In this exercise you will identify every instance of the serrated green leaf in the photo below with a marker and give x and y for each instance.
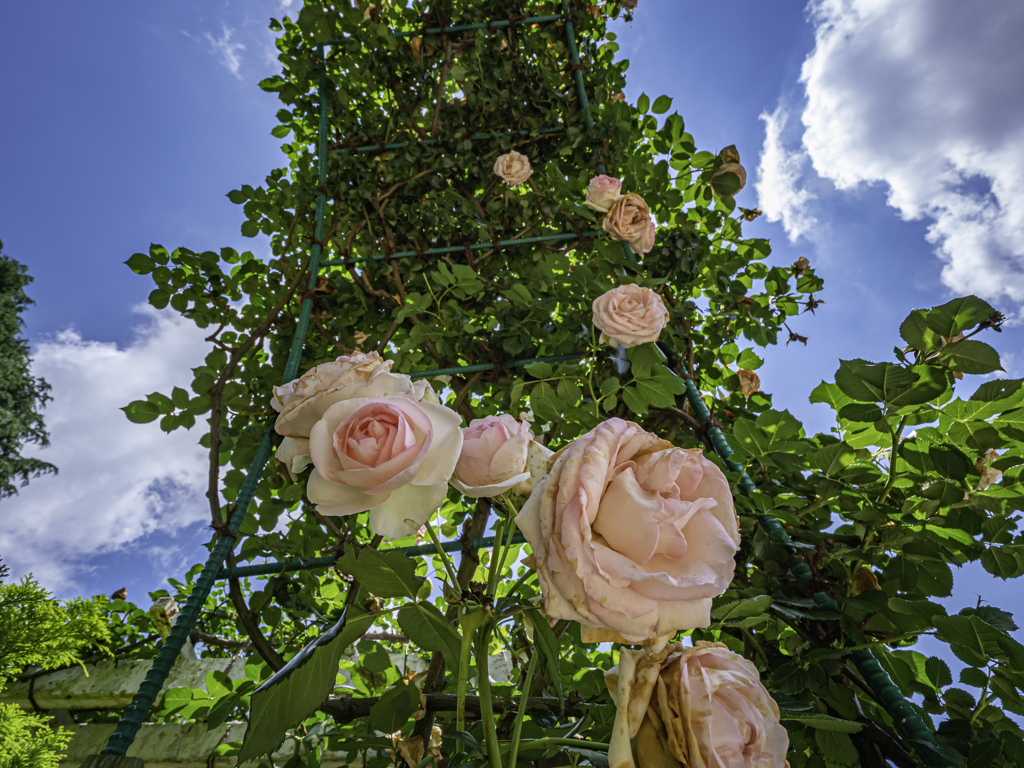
(300, 687)
(917, 334)
(831, 395)
(384, 574)
(739, 609)
(938, 672)
(836, 747)
(958, 315)
(824, 723)
(662, 104)
(833, 458)
(867, 413)
(973, 356)
(428, 628)
(141, 412)
(394, 708)
(140, 264)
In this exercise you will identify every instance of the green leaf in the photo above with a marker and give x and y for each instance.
(140, 264)
(395, 707)
(250, 228)
(949, 461)
(748, 360)
(932, 382)
(973, 356)
(141, 412)
(867, 413)
(1008, 391)
(388, 574)
(300, 687)
(958, 315)
(824, 723)
(831, 395)
(179, 397)
(280, 131)
(833, 458)
(643, 103)
(972, 640)
(938, 672)
(917, 334)
(426, 626)
(218, 684)
(643, 358)
(237, 196)
(548, 646)
(868, 382)
(836, 747)
(739, 609)
(633, 401)
(662, 104)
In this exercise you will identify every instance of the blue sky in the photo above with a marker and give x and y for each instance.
(878, 135)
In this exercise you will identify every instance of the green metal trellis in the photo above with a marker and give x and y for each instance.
(906, 718)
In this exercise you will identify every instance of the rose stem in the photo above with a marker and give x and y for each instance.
(449, 569)
(483, 684)
(521, 714)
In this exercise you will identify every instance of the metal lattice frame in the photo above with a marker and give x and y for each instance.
(906, 718)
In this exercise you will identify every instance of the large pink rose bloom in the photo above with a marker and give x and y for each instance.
(630, 534)
(629, 219)
(494, 456)
(700, 707)
(629, 315)
(392, 456)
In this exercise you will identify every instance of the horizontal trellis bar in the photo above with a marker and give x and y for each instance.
(488, 366)
(315, 563)
(428, 142)
(498, 24)
(590, 233)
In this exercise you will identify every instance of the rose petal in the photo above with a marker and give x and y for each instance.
(335, 500)
(446, 444)
(410, 502)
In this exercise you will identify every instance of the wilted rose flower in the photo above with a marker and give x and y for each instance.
(411, 749)
(628, 219)
(989, 475)
(646, 241)
(302, 402)
(513, 167)
(730, 154)
(750, 382)
(602, 192)
(735, 168)
(631, 534)
(494, 455)
(629, 315)
(700, 707)
(391, 455)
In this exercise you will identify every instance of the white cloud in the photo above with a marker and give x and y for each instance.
(923, 97)
(118, 481)
(778, 178)
(227, 50)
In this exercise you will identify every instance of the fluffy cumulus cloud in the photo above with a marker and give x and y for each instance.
(118, 481)
(779, 190)
(921, 97)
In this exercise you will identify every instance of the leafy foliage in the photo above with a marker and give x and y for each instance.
(22, 396)
(877, 510)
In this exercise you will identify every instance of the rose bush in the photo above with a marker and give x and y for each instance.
(513, 167)
(629, 315)
(390, 455)
(494, 456)
(631, 535)
(699, 707)
(629, 219)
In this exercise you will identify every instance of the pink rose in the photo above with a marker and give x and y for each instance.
(602, 192)
(392, 456)
(629, 315)
(494, 455)
(302, 402)
(702, 707)
(513, 168)
(631, 534)
(629, 219)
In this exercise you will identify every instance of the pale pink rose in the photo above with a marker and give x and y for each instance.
(602, 192)
(302, 402)
(392, 456)
(631, 534)
(294, 454)
(513, 168)
(629, 219)
(629, 315)
(494, 455)
(700, 707)
(646, 241)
